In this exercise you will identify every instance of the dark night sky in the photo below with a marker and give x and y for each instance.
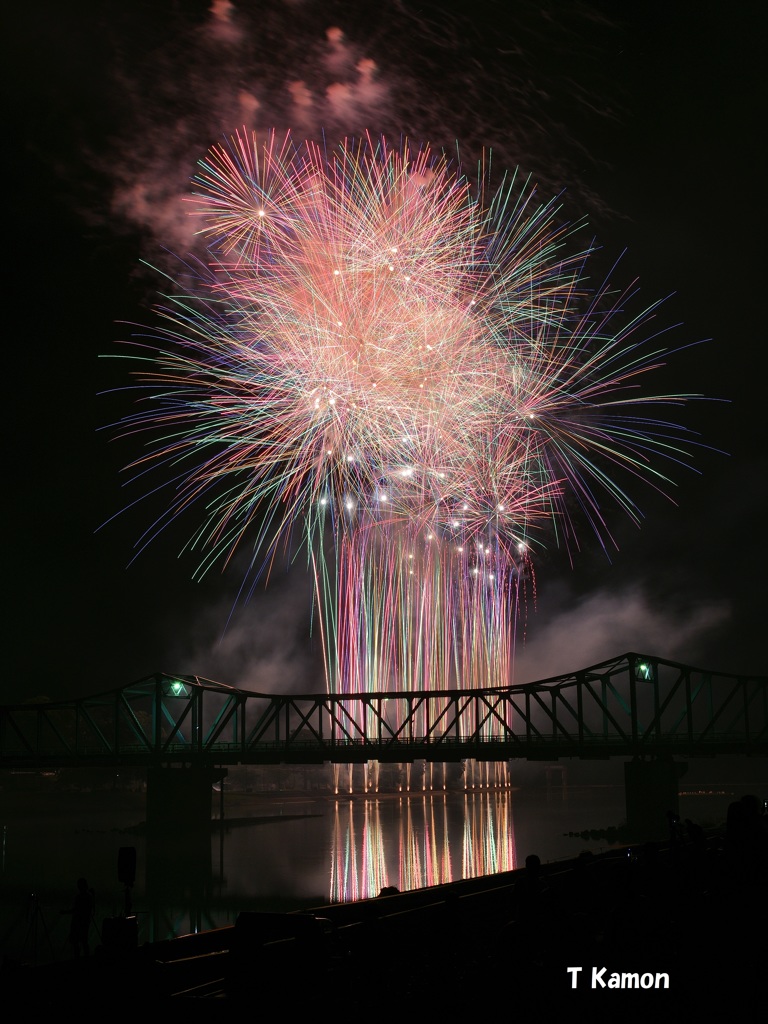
(653, 123)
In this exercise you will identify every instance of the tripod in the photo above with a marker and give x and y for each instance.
(35, 924)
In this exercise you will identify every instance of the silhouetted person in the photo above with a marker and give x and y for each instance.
(82, 912)
(695, 832)
(530, 890)
(527, 936)
(749, 830)
(739, 843)
(673, 823)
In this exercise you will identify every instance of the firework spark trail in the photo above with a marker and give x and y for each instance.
(414, 371)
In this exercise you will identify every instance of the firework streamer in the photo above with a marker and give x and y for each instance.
(408, 369)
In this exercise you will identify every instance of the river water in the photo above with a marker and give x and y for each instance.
(289, 850)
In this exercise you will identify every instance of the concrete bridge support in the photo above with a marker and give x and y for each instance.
(179, 799)
(651, 793)
(178, 869)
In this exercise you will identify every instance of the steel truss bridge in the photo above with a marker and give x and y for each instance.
(633, 705)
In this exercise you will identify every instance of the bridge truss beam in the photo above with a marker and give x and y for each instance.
(633, 705)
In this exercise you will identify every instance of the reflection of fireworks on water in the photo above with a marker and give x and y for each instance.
(413, 370)
(409, 843)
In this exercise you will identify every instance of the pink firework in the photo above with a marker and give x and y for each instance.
(411, 368)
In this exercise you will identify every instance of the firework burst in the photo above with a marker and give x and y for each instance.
(412, 368)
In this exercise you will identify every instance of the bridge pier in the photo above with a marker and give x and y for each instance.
(178, 870)
(179, 799)
(651, 793)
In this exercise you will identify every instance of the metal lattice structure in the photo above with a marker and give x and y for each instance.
(632, 705)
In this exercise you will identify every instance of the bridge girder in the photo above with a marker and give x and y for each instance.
(632, 705)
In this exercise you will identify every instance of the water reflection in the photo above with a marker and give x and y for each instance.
(417, 840)
(283, 851)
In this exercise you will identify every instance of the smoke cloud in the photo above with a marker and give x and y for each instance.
(263, 645)
(569, 632)
(328, 71)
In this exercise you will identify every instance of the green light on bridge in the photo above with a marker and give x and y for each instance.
(645, 672)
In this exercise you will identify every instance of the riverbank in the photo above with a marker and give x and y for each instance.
(664, 926)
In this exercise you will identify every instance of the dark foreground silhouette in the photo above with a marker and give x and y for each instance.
(661, 925)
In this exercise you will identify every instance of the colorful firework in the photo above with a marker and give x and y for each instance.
(411, 369)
